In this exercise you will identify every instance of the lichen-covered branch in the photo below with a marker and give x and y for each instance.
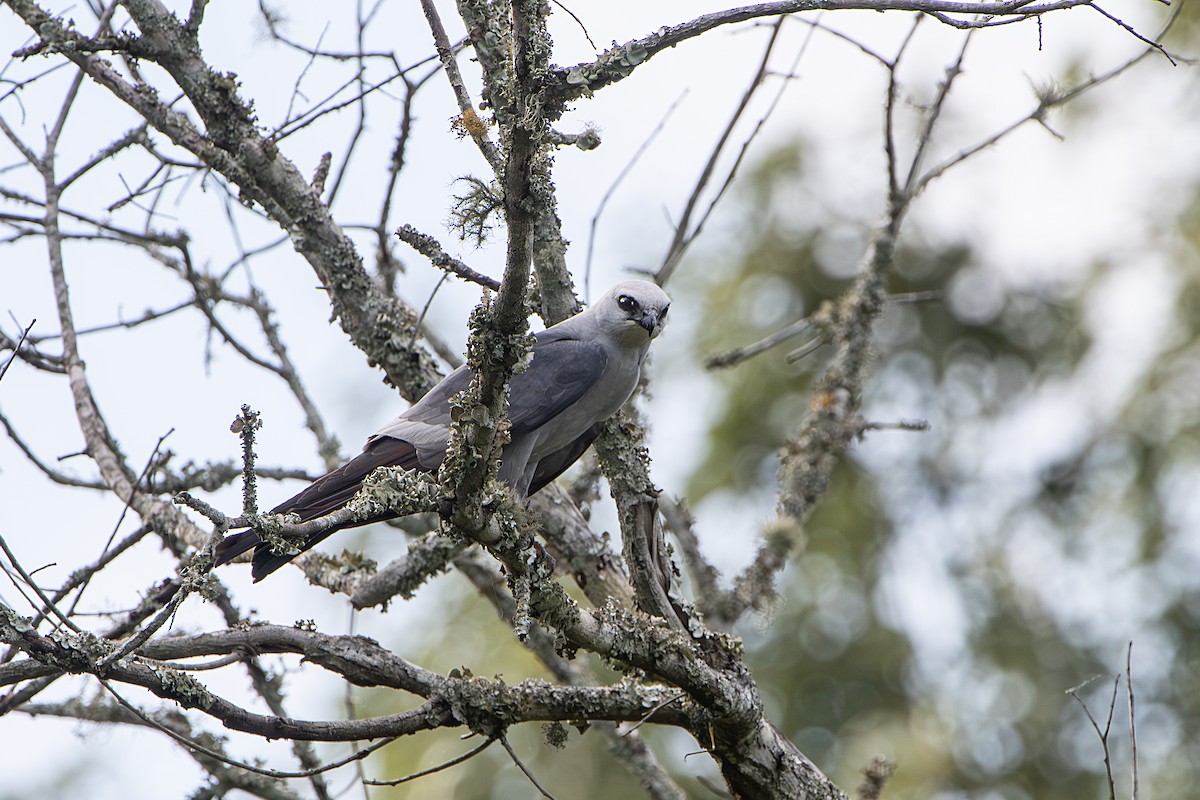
(625, 461)
(429, 247)
(483, 705)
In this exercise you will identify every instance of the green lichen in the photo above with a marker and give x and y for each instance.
(85, 644)
(270, 528)
(395, 490)
(197, 577)
(183, 688)
(476, 210)
(486, 707)
(554, 608)
(245, 425)
(624, 458)
(555, 735)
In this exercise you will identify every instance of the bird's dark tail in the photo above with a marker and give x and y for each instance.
(327, 493)
(233, 546)
(265, 560)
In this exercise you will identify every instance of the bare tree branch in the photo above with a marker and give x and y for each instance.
(618, 62)
(259, 171)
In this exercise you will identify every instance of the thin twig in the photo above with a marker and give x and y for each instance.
(443, 766)
(612, 188)
(271, 773)
(925, 137)
(1101, 734)
(578, 22)
(17, 349)
(151, 462)
(428, 303)
(1132, 718)
(732, 357)
(1039, 113)
(521, 766)
(889, 116)
(656, 707)
(47, 603)
(819, 25)
(472, 124)
(731, 174)
(684, 233)
(1149, 42)
(150, 315)
(134, 642)
(916, 425)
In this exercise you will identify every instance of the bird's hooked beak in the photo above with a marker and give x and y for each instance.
(649, 321)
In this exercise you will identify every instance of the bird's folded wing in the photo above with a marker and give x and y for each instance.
(562, 372)
(556, 463)
(335, 489)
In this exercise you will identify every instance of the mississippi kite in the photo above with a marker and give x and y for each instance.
(582, 371)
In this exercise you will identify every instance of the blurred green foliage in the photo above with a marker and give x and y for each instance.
(958, 582)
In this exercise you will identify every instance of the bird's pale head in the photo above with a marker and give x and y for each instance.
(636, 310)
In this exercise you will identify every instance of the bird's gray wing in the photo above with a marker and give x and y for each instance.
(431, 412)
(334, 490)
(556, 463)
(561, 373)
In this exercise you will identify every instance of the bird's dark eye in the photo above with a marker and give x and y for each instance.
(627, 303)
(663, 315)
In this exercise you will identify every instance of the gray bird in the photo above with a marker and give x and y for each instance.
(582, 371)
